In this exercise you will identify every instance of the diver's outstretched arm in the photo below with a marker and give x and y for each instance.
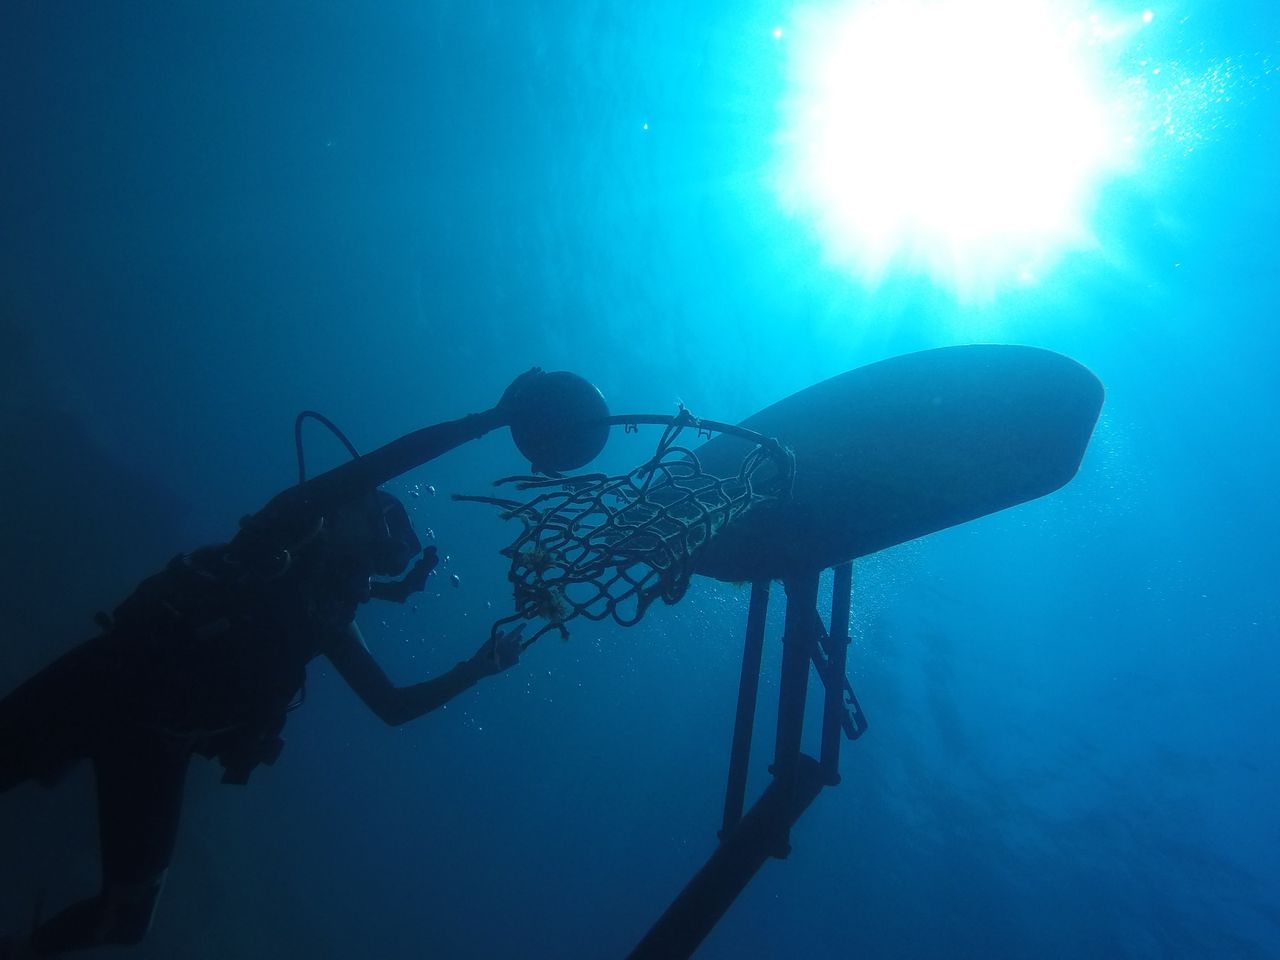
(396, 705)
(294, 512)
(341, 484)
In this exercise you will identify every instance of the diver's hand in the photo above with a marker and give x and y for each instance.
(399, 591)
(416, 579)
(498, 652)
(506, 407)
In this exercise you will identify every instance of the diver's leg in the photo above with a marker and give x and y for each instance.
(47, 723)
(139, 802)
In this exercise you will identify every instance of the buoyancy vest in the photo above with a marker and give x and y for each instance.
(218, 652)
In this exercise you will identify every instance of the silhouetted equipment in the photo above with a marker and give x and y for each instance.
(882, 455)
(866, 460)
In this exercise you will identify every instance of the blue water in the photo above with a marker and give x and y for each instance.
(218, 214)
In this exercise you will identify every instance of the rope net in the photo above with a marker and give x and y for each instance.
(606, 547)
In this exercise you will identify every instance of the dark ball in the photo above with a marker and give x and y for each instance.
(559, 422)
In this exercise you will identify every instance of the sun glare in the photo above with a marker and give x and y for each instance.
(962, 139)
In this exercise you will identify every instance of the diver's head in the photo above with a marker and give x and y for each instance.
(375, 531)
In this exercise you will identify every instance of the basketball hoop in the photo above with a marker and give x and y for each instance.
(606, 547)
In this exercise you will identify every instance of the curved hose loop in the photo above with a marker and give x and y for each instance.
(324, 421)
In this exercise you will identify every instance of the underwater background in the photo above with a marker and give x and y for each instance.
(213, 215)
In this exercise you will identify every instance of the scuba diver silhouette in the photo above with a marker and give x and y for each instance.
(208, 657)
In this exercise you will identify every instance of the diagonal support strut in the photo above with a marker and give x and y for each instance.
(747, 841)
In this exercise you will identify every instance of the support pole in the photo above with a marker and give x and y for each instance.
(833, 713)
(747, 841)
(711, 892)
(748, 688)
(797, 652)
